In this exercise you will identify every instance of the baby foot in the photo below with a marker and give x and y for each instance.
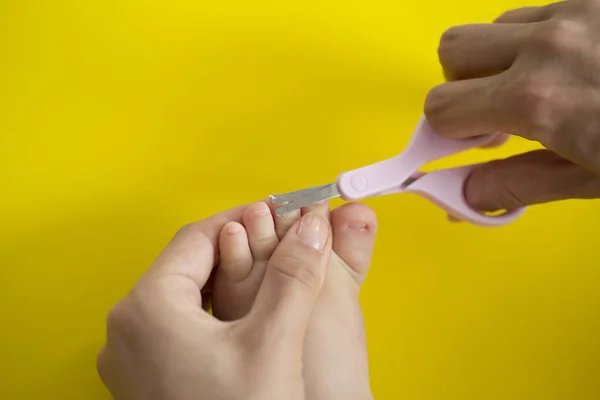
(335, 354)
(245, 251)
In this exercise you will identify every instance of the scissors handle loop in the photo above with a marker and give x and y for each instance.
(445, 188)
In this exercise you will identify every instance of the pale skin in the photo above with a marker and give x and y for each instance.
(335, 357)
(287, 323)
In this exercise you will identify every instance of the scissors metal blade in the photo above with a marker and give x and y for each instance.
(291, 196)
(303, 198)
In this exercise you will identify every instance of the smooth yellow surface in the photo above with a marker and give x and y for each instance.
(121, 120)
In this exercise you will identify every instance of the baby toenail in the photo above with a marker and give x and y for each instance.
(234, 230)
(261, 213)
(359, 226)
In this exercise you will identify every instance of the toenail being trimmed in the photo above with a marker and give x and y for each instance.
(262, 213)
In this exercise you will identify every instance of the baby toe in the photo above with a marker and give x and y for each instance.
(320, 208)
(260, 226)
(283, 224)
(235, 256)
(354, 226)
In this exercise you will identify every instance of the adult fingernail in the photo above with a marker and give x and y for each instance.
(313, 230)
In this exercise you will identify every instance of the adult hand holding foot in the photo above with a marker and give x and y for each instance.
(335, 353)
(532, 73)
(161, 344)
(269, 342)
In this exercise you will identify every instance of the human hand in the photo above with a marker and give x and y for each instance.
(335, 353)
(532, 73)
(161, 344)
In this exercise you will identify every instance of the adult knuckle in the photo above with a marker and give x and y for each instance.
(533, 103)
(102, 367)
(451, 35)
(294, 268)
(591, 5)
(114, 318)
(534, 98)
(119, 319)
(586, 145)
(557, 35)
(448, 44)
(506, 16)
(186, 229)
(101, 362)
(105, 360)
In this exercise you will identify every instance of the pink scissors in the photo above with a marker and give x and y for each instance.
(400, 174)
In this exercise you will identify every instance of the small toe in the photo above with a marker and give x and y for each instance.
(260, 226)
(235, 256)
(354, 226)
(320, 208)
(283, 224)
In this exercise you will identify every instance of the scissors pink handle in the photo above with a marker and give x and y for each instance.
(444, 188)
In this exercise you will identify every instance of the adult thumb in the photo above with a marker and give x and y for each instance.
(293, 279)
(540, 176)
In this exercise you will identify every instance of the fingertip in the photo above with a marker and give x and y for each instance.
(438, 104)
(434, 103)
(531, 14)
(483, 188)
(536, 177)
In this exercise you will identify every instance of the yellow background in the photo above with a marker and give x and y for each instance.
(121, 120)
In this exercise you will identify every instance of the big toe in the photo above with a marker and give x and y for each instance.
(354, 226)
(335, 343)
